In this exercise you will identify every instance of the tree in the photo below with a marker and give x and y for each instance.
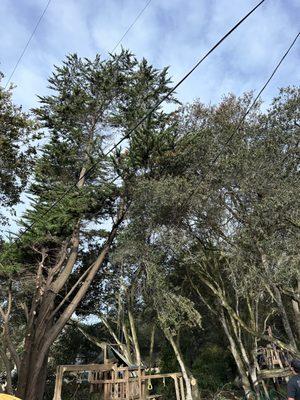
(223, 221)
(93, 102)
(16, 134)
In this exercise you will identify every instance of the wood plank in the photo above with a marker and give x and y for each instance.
(176, 388)
(87, 367)
(274, 373)
(58, 384)
(181, 388)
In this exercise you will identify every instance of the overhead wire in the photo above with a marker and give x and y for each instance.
(256, 98)
(112, 51)
(253, 103)
(28, 43)
(243, 118)
(40, 20)
(144, 118)
(131, 26)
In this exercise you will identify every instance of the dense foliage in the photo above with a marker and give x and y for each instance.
(180, 245)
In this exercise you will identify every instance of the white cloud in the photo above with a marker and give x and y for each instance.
(170, 32)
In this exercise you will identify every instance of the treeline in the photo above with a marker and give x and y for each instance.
(182, 241)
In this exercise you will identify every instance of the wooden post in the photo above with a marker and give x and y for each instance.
(143, 385)
(127, 384)
(181, 388)
(176, 387)
(140, 383)
(58, 383)
(105, 355)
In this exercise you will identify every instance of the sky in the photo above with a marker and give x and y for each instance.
(172, 33)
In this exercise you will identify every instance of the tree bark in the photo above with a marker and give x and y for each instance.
(296, 309)
(8, 368)
(238, 360)
(284, 316)
(152, 341)
(181, 363)
(135, 339)
(42, 331)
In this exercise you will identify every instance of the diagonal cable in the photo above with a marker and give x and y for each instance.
(165, 97)
(28, 43)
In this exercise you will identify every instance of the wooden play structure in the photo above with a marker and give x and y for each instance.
(273, 367)
(273, 363)
(112, 381)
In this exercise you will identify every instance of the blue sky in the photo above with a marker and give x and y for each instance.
(173, 33)
(170, 32)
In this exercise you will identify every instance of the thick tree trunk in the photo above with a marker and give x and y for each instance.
(42, 331)
(296, 310)
(33, 369)
(34, 378)
(8, 368)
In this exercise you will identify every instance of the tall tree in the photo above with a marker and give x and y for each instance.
(16, 134)
(93, 103)
(228, 216)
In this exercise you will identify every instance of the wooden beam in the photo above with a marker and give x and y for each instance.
(87, 367)
(181, 388)
(58, 383)
(176, 388)
(274, 373)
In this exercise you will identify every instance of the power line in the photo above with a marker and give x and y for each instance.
(127, 136)
(65, 299)
(39, 21)
(251, 106)
(28, 42)
(131, 26)
(242, 120)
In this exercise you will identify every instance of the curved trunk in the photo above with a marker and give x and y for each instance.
(33, 369)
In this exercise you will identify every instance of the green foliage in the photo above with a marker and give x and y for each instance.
(213, 367)
(200, 231)
(16, 147)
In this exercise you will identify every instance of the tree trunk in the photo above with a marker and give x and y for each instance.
(238, 360)
(8, 368)
(33, 369)
(31, 384)
(285, 320)
(296, 310)
(183, 368)
(152, 340)
(42, 331)
(135, 339)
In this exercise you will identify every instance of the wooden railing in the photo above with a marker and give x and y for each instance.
(119, 383)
